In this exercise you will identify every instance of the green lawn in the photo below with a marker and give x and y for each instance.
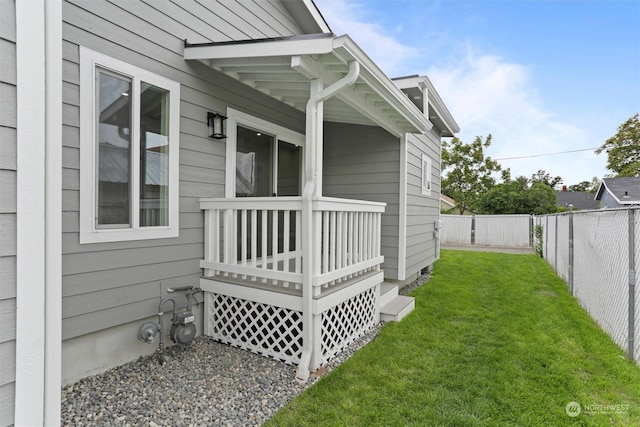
(495, 340)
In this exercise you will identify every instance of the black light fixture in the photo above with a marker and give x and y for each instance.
(215, 121)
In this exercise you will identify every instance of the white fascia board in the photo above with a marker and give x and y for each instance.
(347, 49)
(317, 16)
(601, 187)
(264, 48)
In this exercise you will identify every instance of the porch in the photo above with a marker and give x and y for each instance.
(254, 274)
(297, 278)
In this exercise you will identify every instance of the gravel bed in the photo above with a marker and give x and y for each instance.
(420, 280)
(203, 383)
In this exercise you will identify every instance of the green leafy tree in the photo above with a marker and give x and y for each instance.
(586, 186)
(509, 197)
(468, 172)
(623, 149)
(518, 197)
(542, 199)
(544, 177)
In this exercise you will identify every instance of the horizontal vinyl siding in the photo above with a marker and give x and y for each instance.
(8, 168)
(109, 284)
(422, 210)
(362, 163)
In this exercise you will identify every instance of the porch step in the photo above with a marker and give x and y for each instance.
(397, 308)
(388, 291)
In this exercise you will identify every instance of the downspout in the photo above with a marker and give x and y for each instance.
(314, 119)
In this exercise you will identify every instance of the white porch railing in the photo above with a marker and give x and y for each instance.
(260, 239)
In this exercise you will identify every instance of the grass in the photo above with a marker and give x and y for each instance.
(495, 340)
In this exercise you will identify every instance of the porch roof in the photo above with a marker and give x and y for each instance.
(284, 67)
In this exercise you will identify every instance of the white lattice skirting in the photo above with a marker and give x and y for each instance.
(277, 332)
(344, 323)
(261, 328)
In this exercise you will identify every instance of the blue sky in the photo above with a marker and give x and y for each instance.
(541, 76)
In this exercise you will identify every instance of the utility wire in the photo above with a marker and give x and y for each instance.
(547, 154)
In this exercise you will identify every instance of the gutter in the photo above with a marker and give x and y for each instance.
(313, 173)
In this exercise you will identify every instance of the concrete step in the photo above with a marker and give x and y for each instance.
(397, 308)
(388, 291)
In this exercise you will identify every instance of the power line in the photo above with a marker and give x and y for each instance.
(547, 154)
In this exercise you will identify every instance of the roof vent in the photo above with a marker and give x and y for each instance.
(626, 195)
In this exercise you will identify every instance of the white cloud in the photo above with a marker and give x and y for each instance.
(350, 18)
(486, 94)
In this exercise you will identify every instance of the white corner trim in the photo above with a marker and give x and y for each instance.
(30, 218)
(402, 211)
(53, 213)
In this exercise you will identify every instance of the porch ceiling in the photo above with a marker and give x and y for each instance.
(283, 69)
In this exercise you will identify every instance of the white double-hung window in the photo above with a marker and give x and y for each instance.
(129, 130)
(426, 175)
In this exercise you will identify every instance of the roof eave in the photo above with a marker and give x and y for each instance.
(314, 44)
(435, 100)
(342, 48)
(377, 79)
(307, 15)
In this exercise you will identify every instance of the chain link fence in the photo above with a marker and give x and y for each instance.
(598, 254)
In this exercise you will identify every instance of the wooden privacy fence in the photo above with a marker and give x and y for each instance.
(509, 231)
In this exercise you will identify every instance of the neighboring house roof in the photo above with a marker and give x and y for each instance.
(448, 201)
(580, 200)
(420, 89)
(284, 68)
(625, 190)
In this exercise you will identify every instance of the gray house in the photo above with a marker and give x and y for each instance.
(618, 192)
(317, 197)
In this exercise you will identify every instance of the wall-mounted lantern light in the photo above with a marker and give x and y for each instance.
(215, 121)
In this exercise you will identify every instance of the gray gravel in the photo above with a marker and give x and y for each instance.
(203, 383)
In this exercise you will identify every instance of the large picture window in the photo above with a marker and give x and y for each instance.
(128, 151)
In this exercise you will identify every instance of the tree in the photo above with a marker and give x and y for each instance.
(586, 186)
(544, 177)
(510, 197)
(468, 172)
(518, 197)
(542, 199)
(623, 149)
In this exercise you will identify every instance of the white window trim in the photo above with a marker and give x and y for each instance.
(426, 179)
(235, 118)
(89, 60)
